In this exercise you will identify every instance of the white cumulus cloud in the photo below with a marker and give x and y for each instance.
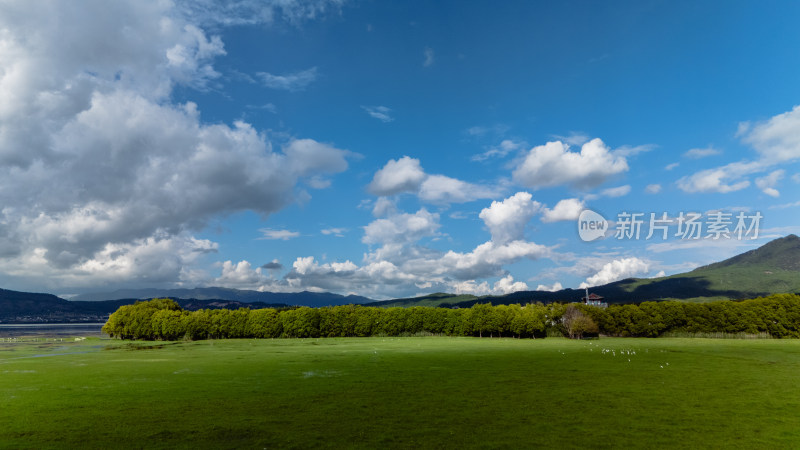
(503, 286)
(554, 164)
(401, 175)
(506, 220)
(240, 275)
(553, 288)
(566, 209)
(405, 175)
(400, 228)
(618, 269)
(102, 174)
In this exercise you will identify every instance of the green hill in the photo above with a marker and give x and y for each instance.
(439, 300)
(773, 268)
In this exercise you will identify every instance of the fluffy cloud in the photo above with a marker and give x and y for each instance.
(486, 260)
(555, 287)
(307, 273)
(307, 157)
(503, 286)
(400, 263)
(406, 175)
(554, 164)
(240, 275)
(618, 269)
(506, 220)
(383, 207)
(402, 175)
(98, 166)
(401, 228)
(158, 260)
(567, 209)
(507, 285)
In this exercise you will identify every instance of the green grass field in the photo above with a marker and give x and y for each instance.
(402, 393)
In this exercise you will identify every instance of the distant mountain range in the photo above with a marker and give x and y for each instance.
(24, 307)
(313, 299)
(771, 268)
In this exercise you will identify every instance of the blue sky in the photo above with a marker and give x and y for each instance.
(387, 149)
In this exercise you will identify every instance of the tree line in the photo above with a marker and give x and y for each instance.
(778, 315)
(164, 319)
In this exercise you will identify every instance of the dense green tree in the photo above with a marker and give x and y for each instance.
(169, 325)
(263, 323)
(778, 315)
(367, 320)
(456, 324)
(435, 320)
(415, 319)
(136, 321)
(392, 321)
(480, 318)
(198, 325)
(528, 321)
(302, 322)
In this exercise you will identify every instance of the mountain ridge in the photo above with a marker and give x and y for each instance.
(778, 252)
(772, 268)
(303, 298)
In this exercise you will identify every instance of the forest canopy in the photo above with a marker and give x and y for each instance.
(163, 319)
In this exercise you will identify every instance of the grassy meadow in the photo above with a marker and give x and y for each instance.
(414, 392)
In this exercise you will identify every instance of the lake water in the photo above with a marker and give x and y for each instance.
(51, 330)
